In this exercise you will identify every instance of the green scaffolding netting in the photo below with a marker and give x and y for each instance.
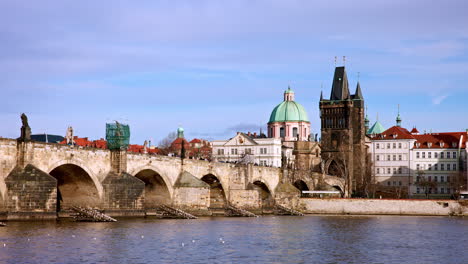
(117, 135)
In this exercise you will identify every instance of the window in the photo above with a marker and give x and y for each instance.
(441, 178)
(400, 170)
(435, 178)
(442, 190)
(448, 155)
(448, 190)
(454, 166)
(442, 167)
(263, 150)
(394, 145)
(435, 190)
(248, 151)
(424, 155)
(436, 167)
(454, 155)
(418, 178)
(418, 190)
(429, 178)
(394, 170)
(282, 132)
(377, 146)
(388, 145)
(399, 183)
(429, 167)
(388, 171)
(378, 170)
(417, 155)
(399, 157)
(436, 155)
(418, 166)
(234, 151)
(388, 157)
(295, 132)
(220, 151)
(399, 145)
(429, 155)
(389, 183)
(448, 167)
(394, 157)
(441, 155)
(377, 157)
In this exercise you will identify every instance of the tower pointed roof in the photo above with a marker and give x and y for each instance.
(358, 93)
(377, 128)
(321, 95)
(340, 86)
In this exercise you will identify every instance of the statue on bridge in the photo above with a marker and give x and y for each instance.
(69, 136)
(25, 129)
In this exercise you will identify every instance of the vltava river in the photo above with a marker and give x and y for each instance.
(270, 239)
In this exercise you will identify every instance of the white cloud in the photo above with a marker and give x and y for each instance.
(437, 100)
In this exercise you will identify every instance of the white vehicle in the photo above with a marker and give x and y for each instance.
(464, 195)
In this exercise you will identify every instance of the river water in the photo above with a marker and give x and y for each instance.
(268, 239)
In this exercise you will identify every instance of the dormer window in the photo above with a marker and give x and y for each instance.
(454, 144)
(418, 144)
(429, 144)
(442, 144)
(395, 135)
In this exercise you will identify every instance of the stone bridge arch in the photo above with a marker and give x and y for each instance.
(75, 187)
(164, 176)
(218, 192)
(81, 164)
(265, 194)
(157, 189)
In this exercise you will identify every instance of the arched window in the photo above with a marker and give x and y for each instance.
(282, 132)
(294, 131)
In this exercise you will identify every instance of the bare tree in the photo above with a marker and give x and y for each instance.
(424, 183)
(165, 143)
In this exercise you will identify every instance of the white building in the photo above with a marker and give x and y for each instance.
(249, 149)
(403, 159)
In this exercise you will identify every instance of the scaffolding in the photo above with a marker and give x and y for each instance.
(117, 135)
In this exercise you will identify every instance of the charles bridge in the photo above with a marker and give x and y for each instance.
(43, 180)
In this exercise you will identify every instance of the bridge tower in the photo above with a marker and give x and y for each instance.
(343, 132)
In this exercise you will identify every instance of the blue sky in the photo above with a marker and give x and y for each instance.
(217, 67)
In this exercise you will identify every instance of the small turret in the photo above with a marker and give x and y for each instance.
(398, 119)
(180, 132)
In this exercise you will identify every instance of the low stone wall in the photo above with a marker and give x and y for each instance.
(382, 207)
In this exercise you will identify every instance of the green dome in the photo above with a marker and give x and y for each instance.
(377, 128)
(288, 111)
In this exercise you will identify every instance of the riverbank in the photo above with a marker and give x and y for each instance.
(383, 207)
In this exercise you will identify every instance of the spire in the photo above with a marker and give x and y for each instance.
(289, 94)
(321, 95)
(398, 119)
(340, 90)
(358, 93)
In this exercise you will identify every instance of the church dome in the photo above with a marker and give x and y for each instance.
(289, 110)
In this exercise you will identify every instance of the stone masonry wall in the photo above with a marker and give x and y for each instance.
(31, 190)
(381, 207)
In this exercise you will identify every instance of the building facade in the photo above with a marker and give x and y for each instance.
(243, 148)
(344, 132)
(419, 165)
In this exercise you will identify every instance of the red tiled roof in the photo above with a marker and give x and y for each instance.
(414, 130)
(195, 140)
(434, 140)
(395, 132)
